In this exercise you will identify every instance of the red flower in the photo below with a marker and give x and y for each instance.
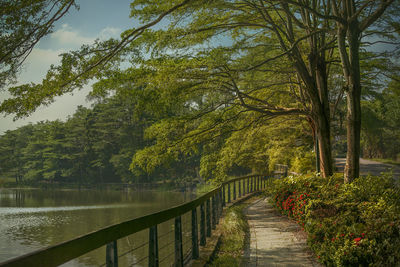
(356, 240)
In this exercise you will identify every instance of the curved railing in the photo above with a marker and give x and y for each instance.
(211, 206)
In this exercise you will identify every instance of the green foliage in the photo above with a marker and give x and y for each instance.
(303, 162)
(23, 24)
(347, 224)
(93, 146)
(381, 124)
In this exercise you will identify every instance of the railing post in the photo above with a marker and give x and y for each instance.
(222, 203)
(229, 192)
(213, 213)
(234, 190)
(153, 247)
(248, 185)
(217, 207)
(258, 183)
(202, 226)
(208, 213)
(178, 243)
(195, 237)
(240, 191)
(223, 196)
(112, 254)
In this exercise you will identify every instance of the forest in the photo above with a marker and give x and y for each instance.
(221, 88)
(97, 145)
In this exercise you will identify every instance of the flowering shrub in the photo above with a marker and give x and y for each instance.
(347, 224)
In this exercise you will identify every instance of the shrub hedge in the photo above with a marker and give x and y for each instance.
(355, 224)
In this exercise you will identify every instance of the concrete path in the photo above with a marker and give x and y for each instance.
(370, 167)
(274, 239)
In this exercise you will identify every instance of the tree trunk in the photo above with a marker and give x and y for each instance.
(324, 117)
(352, 168)
(324, 142)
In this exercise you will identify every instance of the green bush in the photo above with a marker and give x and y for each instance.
(303, 162)
(356, 224)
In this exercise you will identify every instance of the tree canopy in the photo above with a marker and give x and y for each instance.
(23, 24)
(221, 67)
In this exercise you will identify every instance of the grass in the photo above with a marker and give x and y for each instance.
(234, 231)
(387, 161)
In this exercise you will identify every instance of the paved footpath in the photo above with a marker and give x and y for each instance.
(370, 167)
(274, 239)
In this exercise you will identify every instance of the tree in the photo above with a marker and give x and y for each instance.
(12, 144)
(275, 59)
(23, 24)
(353, 18)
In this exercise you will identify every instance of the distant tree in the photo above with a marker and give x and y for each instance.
(12, 144)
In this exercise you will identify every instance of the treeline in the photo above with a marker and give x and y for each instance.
(380, 125)
(95, 145)
(119, 139)
(380, 136)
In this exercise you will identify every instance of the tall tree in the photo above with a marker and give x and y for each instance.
(353, 18)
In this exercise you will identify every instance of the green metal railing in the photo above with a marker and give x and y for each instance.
(209, 206)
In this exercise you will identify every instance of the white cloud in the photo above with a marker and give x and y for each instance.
(67, 36)
(109, 32)
(38, 63)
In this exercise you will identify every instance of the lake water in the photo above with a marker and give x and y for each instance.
(32, 218)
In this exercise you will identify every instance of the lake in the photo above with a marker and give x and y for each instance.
(31, 219)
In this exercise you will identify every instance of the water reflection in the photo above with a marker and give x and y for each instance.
(33, 219)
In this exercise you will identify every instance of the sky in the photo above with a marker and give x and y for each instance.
(95, 19)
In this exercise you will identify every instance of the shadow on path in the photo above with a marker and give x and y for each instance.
(274, 239)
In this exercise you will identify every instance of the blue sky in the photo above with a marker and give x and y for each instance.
(95, 19)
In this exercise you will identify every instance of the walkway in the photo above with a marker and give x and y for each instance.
(370, 167)
(274, 239)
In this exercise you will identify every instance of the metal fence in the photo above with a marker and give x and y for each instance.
(191, 223)
(280, 170)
